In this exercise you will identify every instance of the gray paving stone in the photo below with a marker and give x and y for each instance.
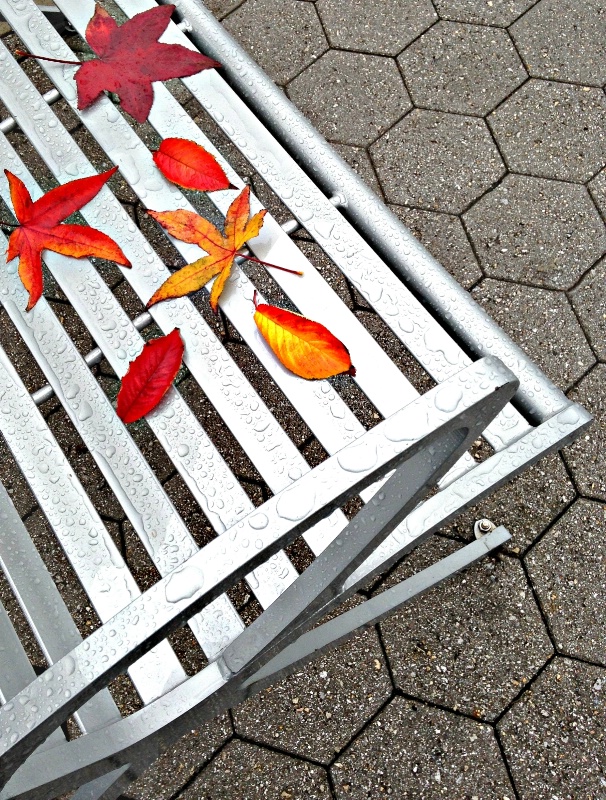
(597, 189)
(248, 772)
(467, 69)
(222, 7)
(351, 97)
(472, 642)
(178, 764)
(436, 161)
(526, 506)
(567, 571)
(586, 458)
(487, 12)
(316, 712)
(543, 324)
(359, 160)
(546, 233)
(553, 130)
(564, 39)
(355, 24)
(283, 39)
(589, 301)
(412, 751)
(553, 736)
(444, 237)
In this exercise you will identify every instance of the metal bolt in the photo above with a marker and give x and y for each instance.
(482, 527)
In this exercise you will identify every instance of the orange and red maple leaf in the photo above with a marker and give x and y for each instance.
(40, 228)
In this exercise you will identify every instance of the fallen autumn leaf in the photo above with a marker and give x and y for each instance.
(304, 347)
(150, 376)
(40, 229)
(191, 166)
(222, 248)
(130, 58)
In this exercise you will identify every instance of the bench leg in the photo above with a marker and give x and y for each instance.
(330, 634)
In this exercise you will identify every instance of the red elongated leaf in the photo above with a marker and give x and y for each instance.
(304, 347)
(39, 228)
(150, 376)
(189, 165)
(130, 58)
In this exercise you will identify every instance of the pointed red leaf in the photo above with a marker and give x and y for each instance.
(130, 58)
(189, 165)
(40, 228)
(150, 376)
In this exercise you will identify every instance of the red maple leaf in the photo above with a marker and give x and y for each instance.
(40, 229)
(150, 376)
(130, 58)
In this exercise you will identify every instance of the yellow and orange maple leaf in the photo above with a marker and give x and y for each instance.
(221, 248)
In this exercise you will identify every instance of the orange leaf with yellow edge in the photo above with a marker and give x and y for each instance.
(222, 248)
(304, 347)
(40, 228)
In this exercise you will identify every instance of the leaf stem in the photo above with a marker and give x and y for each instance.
(273, 266)
(25, 54)
(8, 224)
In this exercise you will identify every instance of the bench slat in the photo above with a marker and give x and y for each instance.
(17, 672)
(63, 500)
(47, 614)
(128, 474)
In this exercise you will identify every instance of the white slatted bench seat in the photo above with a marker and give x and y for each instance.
(425, 438)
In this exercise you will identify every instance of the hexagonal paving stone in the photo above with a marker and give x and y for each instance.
(245, 771)
(222, 7)
(554, 735)
(553, 130)
(597, 189)
(177, 765)
(495, 12)
(319, 709)
(351, 97)
(567, 570)
(444, 237)
(526, 506)
(386, 30)
(412, 751)
(283, 39)
(589, 301)
(437, 161)
(546, 233)
(462, 68)
(586, 458)
(470, 643)
(565, 40)
(543, 324)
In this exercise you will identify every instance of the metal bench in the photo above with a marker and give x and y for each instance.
(484, 387)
